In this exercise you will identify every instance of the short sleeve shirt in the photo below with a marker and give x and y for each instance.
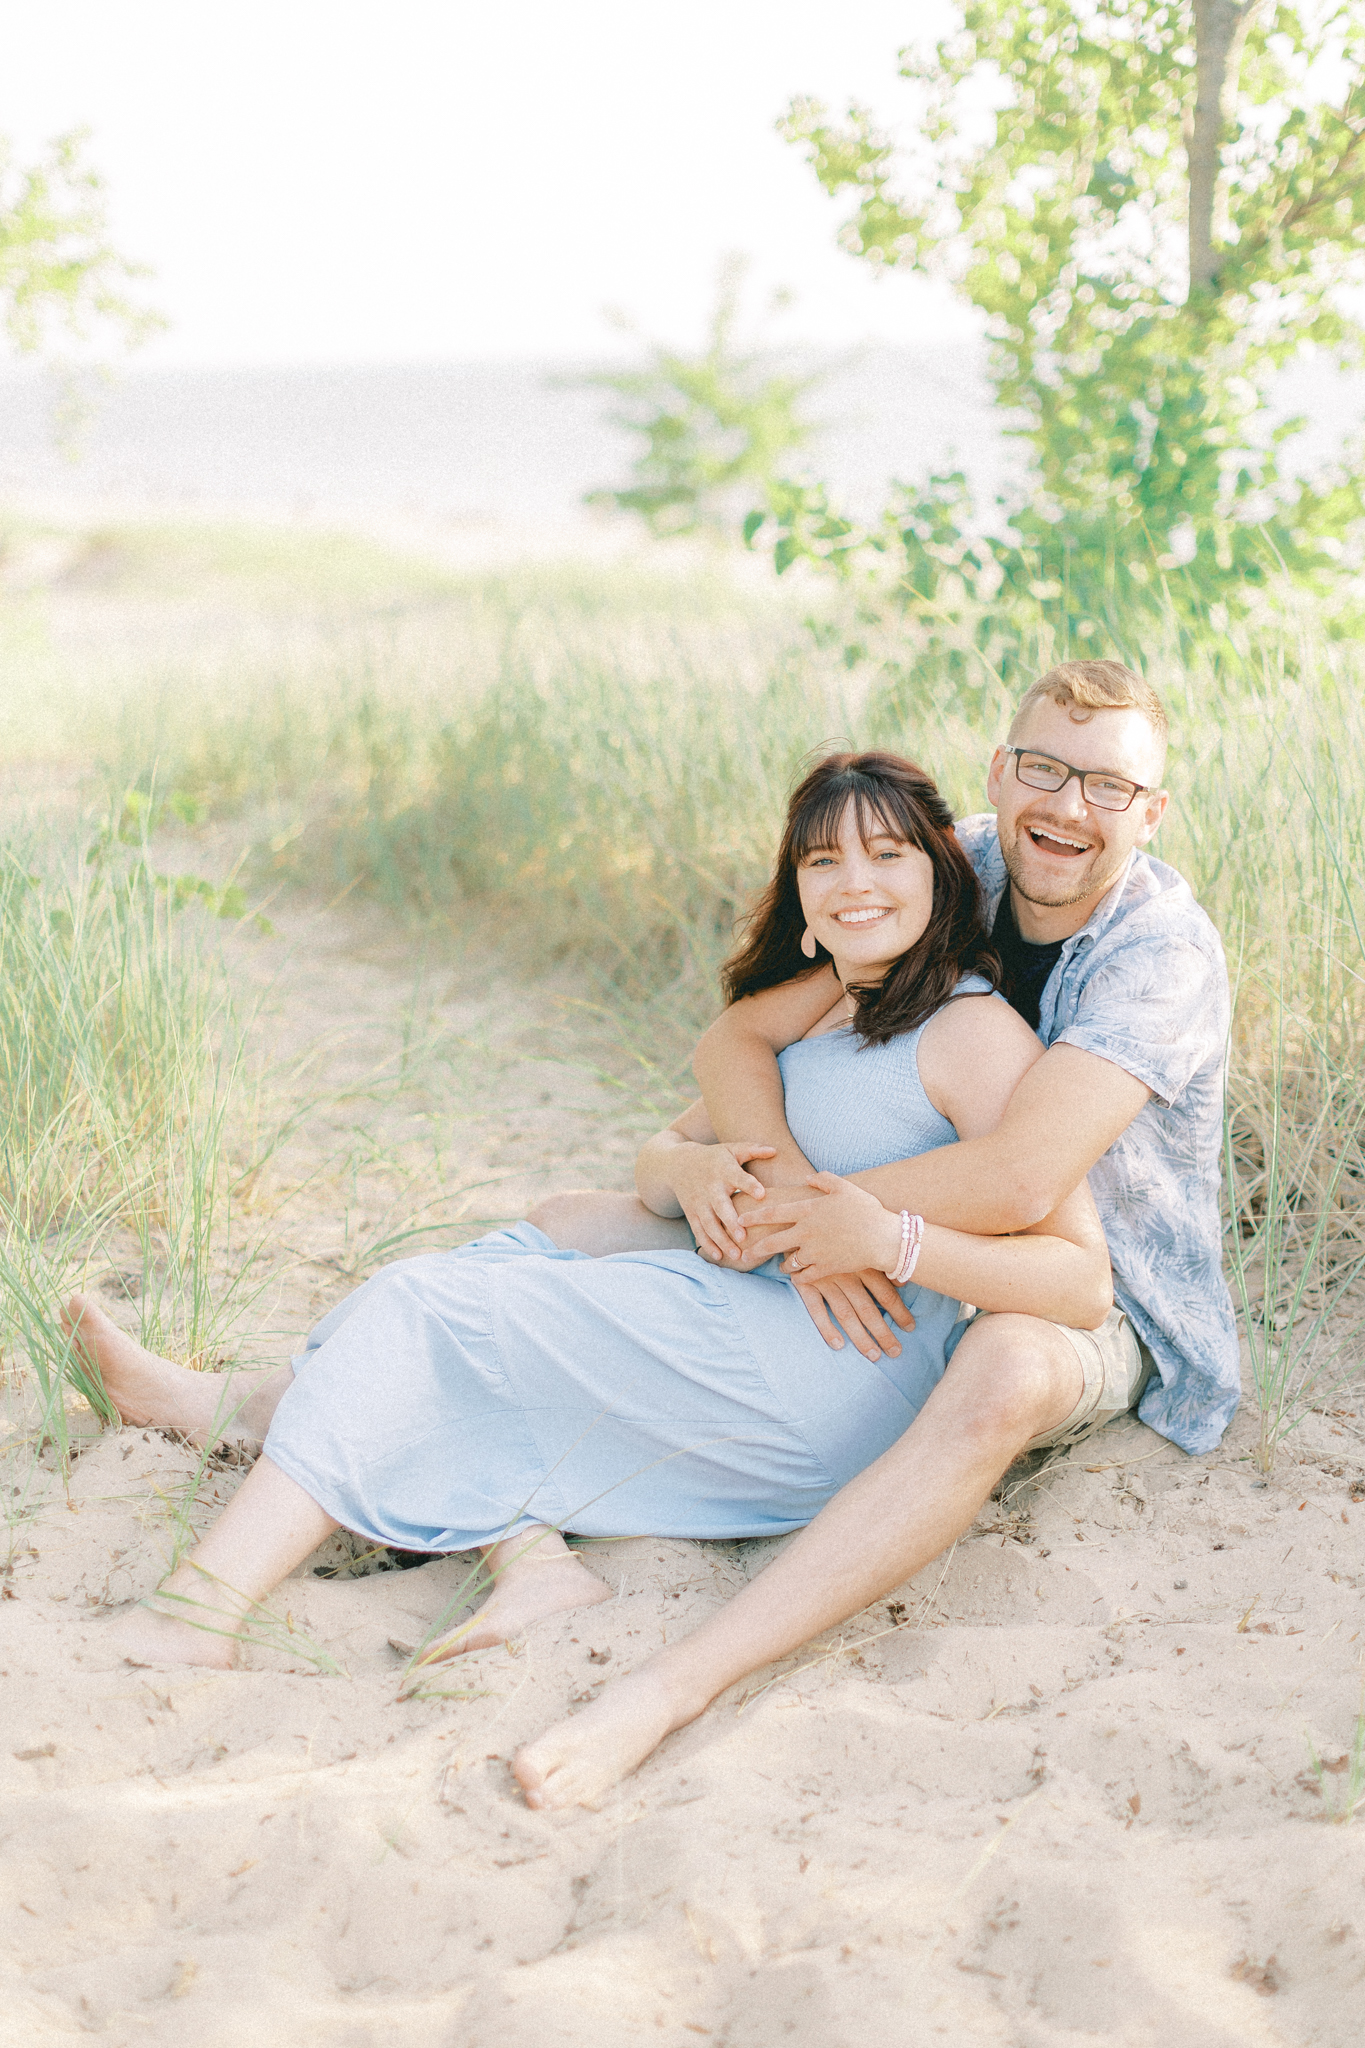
(1144, 985)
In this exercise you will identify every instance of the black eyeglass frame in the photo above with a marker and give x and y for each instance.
(1081, 775)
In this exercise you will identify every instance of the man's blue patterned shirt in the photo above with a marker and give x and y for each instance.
(1144, 985)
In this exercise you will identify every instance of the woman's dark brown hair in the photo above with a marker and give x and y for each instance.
(891, 795)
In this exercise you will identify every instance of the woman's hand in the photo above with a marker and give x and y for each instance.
(703, 1178)
(841, 1229)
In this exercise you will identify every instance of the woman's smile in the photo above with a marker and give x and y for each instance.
(847, 917)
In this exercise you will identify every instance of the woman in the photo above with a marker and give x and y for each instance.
(495, 1396)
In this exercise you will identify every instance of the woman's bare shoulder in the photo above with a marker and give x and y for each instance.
(977, 1049)
(980, 1017)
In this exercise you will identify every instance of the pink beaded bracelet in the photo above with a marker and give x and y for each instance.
(912, 1237)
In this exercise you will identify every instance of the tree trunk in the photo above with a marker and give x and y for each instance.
(1220, 28)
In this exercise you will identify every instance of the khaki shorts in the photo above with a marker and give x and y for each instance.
(1117, 1366)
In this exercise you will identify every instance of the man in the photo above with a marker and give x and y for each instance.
(1107, 953)
(1110, 959)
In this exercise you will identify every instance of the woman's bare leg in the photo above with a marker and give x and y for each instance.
(155, 1393)
(590, 1220)
(196, 1615)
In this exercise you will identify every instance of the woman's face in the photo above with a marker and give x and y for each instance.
(867, 904)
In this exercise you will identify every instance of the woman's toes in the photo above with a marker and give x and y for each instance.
(111, 1354)
(79, 1309)
(80, 1319)
(86, 1321)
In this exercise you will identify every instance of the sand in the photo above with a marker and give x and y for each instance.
(1059, 1789)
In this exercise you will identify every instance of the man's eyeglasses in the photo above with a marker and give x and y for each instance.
(1105, 791)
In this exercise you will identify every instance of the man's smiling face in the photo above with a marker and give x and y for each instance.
(1061, 852)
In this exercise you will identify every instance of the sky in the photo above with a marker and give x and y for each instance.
(321, 181)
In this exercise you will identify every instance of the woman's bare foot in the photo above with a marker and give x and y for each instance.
(145, 1637)
(148, 1392)
(534, 1574)
(578, 1760)
(192, 1618)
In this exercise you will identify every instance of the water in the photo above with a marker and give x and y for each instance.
(502, 443)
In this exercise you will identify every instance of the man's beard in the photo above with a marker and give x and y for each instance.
(1094, 879)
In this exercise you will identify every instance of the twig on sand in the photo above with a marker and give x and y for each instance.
(1117, 1464)
(986, 1854)
(1242, 1624)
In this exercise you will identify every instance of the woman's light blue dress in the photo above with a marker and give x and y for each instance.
(458, 1396)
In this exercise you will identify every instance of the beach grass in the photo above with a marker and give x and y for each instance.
(1341, 1803)
(593, 761)
(121, 1052)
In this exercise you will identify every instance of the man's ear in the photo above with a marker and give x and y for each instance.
(1155, 811)
(995, 775)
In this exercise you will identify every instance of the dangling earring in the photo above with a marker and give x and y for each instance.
(808, 943)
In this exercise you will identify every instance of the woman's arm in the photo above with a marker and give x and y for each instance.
(1058, 1269)
(736, 1065)
(685, 1172)
(657, 1157)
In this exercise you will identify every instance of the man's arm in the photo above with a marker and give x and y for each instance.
(1064, 1115)
(972, 1058)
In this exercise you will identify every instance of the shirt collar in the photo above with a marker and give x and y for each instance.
(1106, 909)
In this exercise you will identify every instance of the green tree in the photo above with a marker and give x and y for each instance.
(58, 269)
(1155, 204)
(716, 426)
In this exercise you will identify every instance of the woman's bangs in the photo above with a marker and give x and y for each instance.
(875, 807)
(884, 809)
(816, 828)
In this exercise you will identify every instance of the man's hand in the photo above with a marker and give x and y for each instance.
(703, 1179)
(856, 1299)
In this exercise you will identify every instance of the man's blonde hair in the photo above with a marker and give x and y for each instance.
(1095, 686)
